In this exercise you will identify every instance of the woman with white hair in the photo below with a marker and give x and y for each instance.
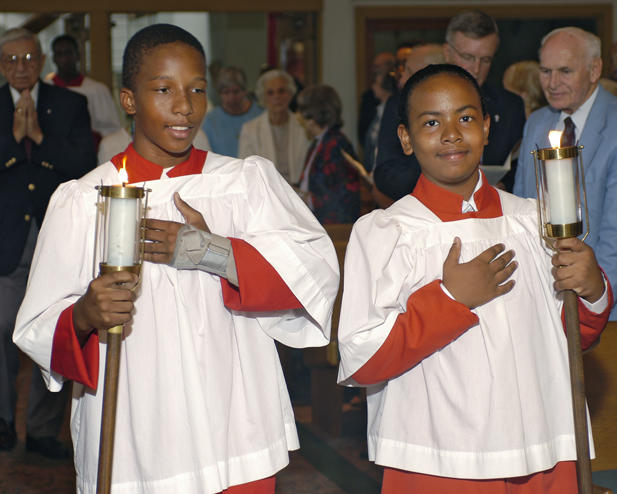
(276, 134)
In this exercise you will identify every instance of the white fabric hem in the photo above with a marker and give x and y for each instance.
(470, 465)
(210, 480)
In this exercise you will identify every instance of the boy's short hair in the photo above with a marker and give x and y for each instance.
(65, 37)
(145, 40)
(426, 73)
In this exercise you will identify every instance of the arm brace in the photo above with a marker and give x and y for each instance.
(196, 249)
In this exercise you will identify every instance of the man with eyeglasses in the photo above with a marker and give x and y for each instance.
(472, 39)
(45, 139)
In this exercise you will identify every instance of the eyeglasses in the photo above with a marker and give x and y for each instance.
(11, 61)
(468, 57)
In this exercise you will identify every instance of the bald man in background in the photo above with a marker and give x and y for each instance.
(570, 69)
(389, 150)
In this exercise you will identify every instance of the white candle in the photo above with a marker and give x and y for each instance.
(561, 191)
(122, 233)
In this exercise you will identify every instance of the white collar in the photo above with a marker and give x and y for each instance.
(34, 94)
(579, 117)
(470, 206)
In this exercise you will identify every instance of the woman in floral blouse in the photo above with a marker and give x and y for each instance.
(333, 183)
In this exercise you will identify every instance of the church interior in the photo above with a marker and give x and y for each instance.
(318, 41)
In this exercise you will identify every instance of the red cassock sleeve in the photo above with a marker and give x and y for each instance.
(261, 287)
(592, 324)
(68, 358)
(432, 320)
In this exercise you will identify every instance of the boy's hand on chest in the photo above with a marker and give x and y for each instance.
(480, 280)
(161, 235)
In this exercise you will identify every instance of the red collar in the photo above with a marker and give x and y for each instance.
(447, 206)
(58, 81)
(141, 170)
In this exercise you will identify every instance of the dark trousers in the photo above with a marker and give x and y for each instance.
(45, 409)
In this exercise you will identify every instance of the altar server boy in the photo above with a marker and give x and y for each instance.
(234, 261)
(452, 319)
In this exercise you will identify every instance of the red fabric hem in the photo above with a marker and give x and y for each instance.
(561, 479)
(592, 324)
(78, 81)
(140, 169)
(448, 206)
(263, 486)
(68, 358)
(261, 287)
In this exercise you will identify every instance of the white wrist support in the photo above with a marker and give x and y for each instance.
(196, 249)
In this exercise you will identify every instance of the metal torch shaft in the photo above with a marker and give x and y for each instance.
(577, 380)
(108, 422)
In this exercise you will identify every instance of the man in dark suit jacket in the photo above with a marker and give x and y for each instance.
(383, 63)
(45, 139)
(472, 38)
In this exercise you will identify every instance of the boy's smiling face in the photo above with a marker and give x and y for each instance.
(168, 103)
(447, 132)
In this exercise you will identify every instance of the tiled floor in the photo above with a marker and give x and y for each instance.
(22, 472)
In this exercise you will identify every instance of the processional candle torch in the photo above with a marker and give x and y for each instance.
(560, 177)
(119, 243)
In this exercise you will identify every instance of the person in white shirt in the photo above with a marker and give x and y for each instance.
(103, 111)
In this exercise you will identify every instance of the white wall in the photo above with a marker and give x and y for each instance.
(339, 58)
(240, 39)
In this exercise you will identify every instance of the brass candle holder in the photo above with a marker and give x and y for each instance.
(560, 176)
(120, 242)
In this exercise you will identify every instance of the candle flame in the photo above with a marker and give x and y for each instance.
(124, 176)
(555, 137)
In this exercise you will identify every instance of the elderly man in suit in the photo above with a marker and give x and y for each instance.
(570, 68)
(45, 139)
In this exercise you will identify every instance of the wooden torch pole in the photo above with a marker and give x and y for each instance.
(108, 421)
(577, 381)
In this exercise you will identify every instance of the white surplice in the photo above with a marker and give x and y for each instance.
(495, 402)
(202, 401)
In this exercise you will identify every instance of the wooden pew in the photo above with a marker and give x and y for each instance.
(326, 395)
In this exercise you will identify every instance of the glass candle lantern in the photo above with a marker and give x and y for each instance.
(560, 177)
(119, 240)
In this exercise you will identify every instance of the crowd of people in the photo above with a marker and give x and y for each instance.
(447, 287)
